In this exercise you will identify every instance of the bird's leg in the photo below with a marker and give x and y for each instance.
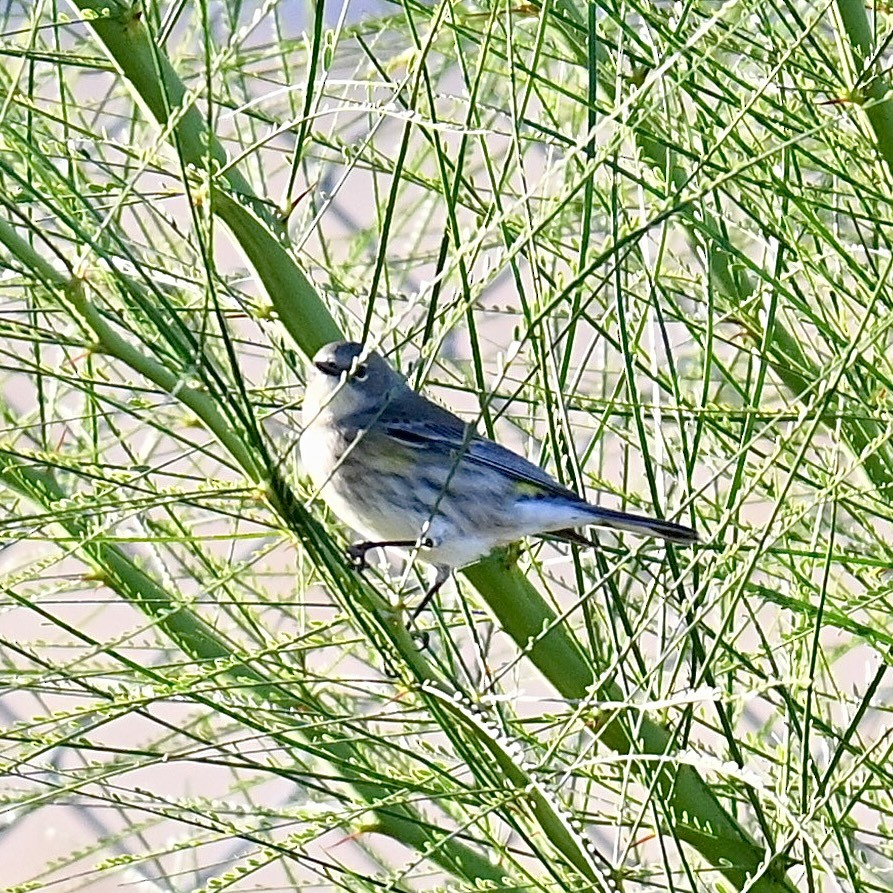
(357, 552)
(443, 574)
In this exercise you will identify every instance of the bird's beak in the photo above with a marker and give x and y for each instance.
(327, 367)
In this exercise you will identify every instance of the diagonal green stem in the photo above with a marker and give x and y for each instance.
(257, 231)
(872, 86)
(527, 618)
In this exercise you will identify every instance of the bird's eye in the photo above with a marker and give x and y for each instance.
(361, 372)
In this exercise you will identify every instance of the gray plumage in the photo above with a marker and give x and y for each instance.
(401, 469)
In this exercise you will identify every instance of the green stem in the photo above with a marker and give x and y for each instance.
(258, 232)
(110, 342)
(700, 818)
(297, 304)
(872, 86)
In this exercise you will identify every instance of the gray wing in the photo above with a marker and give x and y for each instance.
(438, 428)
(414, 421)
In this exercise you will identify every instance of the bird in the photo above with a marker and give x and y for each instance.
(403, 471)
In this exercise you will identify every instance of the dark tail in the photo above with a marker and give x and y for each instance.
(673, 533)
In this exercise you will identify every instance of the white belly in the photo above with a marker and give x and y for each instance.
(351, 495)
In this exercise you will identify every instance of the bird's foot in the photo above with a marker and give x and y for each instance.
(443, 574)
(420, 637)
(356, 554)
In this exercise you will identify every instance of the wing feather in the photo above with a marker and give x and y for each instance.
(411, 421)
(455, 436)
(443, 431)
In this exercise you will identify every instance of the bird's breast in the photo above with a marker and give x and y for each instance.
(323, 448)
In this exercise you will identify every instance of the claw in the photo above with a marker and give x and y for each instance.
(421, 638)
(356, 554)
(443, 574)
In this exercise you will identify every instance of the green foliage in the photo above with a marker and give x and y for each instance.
(647, 244)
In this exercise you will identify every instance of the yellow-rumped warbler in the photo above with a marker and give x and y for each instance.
(403, 471)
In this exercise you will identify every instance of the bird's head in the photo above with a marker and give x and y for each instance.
(348, 380)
